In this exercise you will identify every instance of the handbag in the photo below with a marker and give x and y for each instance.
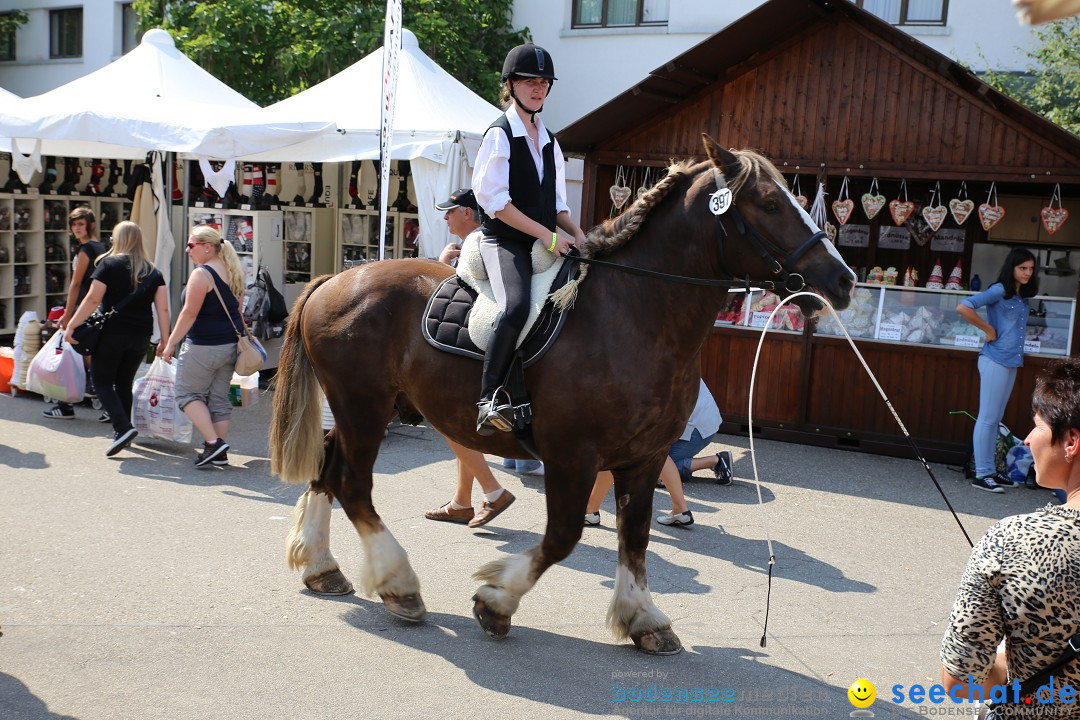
(87, 334)
(250, 355)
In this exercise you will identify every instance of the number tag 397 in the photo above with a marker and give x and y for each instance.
(720, 201)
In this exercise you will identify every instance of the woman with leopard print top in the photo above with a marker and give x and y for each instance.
(1022, 582)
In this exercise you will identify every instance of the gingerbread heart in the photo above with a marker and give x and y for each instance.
(934, 216)
(842, 209)
(803, 202)
(1054, 218)
(619, 195)
(872, 204)
(961, 209)
(901, 211)
(830, 230)
(990, 215)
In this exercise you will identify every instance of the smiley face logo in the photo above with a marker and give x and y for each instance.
(862, 693)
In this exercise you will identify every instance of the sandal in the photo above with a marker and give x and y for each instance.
(445, 513)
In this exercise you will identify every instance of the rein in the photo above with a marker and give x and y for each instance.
(791, 282)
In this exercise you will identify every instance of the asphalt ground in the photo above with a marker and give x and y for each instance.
(143, 587)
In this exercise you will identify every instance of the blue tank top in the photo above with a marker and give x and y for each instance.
(212, 326)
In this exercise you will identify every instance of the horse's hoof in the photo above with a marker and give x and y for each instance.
(494, 625)
(658, 642)
(332, 582)
(406, 607)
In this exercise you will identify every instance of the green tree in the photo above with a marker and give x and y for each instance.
(9, 23)
(1051, 87)
(270, 50)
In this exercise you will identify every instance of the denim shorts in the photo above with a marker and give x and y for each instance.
(683, 451)
(204, 372)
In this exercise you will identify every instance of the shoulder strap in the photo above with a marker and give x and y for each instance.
(226, 309)
(1029, 686)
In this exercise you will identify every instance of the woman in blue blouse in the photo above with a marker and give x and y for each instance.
(1007, 312)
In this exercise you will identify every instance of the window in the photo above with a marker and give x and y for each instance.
(129, 28)
(619, 13)
(65, 33)
(7, 40)
(907, 12)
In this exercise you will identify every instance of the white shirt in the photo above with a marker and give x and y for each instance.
(491, 174)
(706, 415)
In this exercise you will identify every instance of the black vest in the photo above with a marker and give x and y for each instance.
(527, 193)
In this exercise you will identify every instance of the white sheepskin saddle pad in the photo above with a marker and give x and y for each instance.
(471, 270)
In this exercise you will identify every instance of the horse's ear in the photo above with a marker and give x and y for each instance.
(718, 156)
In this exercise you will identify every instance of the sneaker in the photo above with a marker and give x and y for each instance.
(538, 470)
(686, 518)
(211, 451)
(120, 441)
(59, 412)
(221, 460)
(987, 483)
(592, 519)
(1004, 480)
(723, 468)
(490, 510)
(104, 418)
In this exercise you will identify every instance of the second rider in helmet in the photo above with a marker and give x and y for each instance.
(519, 182)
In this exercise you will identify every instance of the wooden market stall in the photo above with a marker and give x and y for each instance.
(830, 92)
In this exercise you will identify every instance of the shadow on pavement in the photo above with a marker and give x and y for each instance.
(21, 704)
(18, 459)
(611, 678)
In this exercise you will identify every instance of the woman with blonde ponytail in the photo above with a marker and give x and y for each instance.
(208, 328)
(126, 284)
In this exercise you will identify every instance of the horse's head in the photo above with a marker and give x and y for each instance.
(782, 243)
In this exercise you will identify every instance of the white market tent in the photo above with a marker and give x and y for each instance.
(152, 98)
(438, 125)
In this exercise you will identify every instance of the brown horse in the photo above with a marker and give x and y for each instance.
(613, 393)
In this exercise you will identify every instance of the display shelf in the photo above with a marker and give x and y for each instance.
(358, 233)
(309, 248)
(927, 317)
(752, 310)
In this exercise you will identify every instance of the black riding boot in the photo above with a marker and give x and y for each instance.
(496, 413)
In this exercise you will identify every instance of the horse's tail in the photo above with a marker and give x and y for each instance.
(296, 441)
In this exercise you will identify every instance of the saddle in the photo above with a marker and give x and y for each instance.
(463, 306)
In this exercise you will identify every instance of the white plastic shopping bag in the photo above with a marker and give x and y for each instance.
(57, 371)
(244, 390)
(153, 406)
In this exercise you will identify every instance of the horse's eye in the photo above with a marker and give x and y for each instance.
(772, 207)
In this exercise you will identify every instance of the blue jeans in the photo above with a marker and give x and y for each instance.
(683, 451)
(520, 465)
(995, 386)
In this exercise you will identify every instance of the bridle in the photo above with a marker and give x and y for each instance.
(785, 278)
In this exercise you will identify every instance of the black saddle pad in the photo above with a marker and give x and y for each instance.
(446, 319)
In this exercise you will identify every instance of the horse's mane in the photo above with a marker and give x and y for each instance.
(614, 233)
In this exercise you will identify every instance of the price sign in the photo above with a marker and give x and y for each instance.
(889, 331)
(1032, 346)
(760, 318)
(968, 341)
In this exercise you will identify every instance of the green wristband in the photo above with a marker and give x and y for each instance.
(554, 239)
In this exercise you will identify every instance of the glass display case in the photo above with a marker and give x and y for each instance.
(919, 316)
(752, 310)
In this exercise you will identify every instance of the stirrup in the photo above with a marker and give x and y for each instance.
(495, 414)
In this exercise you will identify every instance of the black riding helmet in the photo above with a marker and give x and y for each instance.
(530, 61)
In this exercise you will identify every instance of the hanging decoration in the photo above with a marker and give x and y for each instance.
(644, 184)
(961, 207)
(990, 215)
(817, 213)
(935, 214)
(843, 206)
(956, 277)
(901, 210)
(872, 202)
(620, 191)
(1053, 218)
(797, 192)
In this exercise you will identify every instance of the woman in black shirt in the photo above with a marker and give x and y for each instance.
(119, 273)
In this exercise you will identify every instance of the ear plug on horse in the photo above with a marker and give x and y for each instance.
(612, 393)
